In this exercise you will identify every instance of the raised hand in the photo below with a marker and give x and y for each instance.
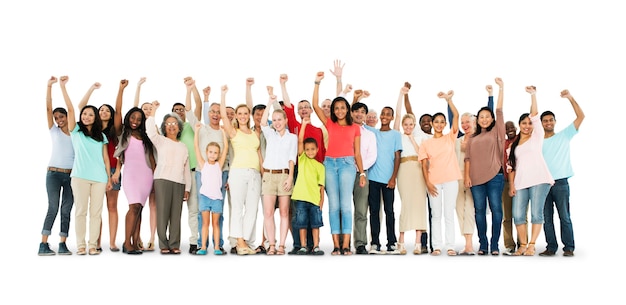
(189, 83)
(249, 81)
(155, 105)
(141, 81)
(306, 121)
(197, 126)
(64, 79)
(206, 90)
(407, 84)
(489, 89)
(270, 90)
(565, 94)
(366, 94)
(123, 83)
(450, 93)
(348, 89)
(319, 76)
(338, 68)
(531, 89)
(225, 89)
(283, 78)
(404, 90)
(358, 93)
(95, 85)
(499, 82)
(52, 80)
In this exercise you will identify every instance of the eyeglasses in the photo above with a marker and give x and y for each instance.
(171, 124)
(179, 110)
(214, 112)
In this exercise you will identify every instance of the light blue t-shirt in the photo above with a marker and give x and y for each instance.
(62, 150)
(88, 157)
(387, 143)
(556, 152)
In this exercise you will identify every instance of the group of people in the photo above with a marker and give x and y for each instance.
(479, 163)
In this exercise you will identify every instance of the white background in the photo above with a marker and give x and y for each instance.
(459, 45)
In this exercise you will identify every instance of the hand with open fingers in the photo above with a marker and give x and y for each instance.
(338, 68)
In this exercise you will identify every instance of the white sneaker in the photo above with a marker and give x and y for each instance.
(508, 251)
(393, 249)
(375, 249)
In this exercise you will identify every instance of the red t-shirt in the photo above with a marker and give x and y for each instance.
(310, 132)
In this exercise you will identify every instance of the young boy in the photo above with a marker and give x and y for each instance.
(308, 193)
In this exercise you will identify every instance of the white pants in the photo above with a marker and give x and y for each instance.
(444, 203)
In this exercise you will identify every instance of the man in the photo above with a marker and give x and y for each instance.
(556, 152)
(382, 181)
(360, 194)
(372, 118)
(507, 200)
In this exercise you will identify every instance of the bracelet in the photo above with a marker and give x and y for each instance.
(317, 83)
(362, 175)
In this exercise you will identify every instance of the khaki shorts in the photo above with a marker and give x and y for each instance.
(273, 184)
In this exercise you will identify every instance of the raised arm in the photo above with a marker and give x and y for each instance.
(489, 97)
(500, 92)
(224, 151)
(345, 91)
(198, 100)
(305, 121)
(266, 113)
(228, 125)
(580, 116)
(189, 84)
(138, 91)
(404, 91)
(533, 100)
(249, 83)
(196, 145)
(316, 98)
(49, 109)
(87, 95)
(71, 114)
(356, 97)
(206, 105)
(283, 88)
(117, 121)
(407, 103)
(454, 126)
(338, 72)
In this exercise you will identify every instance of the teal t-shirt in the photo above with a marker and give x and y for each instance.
(88, 157)
(556, 152)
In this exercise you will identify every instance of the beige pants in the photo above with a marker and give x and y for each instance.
(88, 199)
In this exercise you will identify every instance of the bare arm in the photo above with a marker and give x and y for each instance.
(224, 152)
(49, 109)
(266, 113)
(87, 95)
(580, 116)
(71, 114)
(196, 97)
(404, 91)
(338, 72)
(533, 99)
(500, 92)
(316, 98)
(117, 121)
(196, 145)
(228, 126)
(249, 83)
(138, 91)
(407, 103)
(283, 89)
(305, 121)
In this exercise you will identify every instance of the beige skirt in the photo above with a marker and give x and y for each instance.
(412, 189)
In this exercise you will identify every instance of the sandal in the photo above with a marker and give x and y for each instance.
(175, 251)
(94, 251)
(451, 252)
(495, 252)
(270, 251)
(81, 251)
(261, 250)
(165, 251)
(482, 252)
(346, 251)
(530, 251)
(336, 251)
(150, 247)
(281, 250)
(435, 252)
(520, 250)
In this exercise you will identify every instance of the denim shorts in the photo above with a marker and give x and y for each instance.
(211, 205)
(308, 214)
(116, 186)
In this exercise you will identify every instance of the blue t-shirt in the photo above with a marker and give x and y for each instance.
(556, 152)
(88, 157)
(387, 143)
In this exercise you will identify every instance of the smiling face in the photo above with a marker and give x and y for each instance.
(340, 109)
(230, 113)
(279, 121)
(304, 110)
(408, 124)
(485, 119)
(548, 122)
(326, 107)
(171, 128)
(467, 124)
(134, 120)
(60, 119)
(147, 109)
(105, 113)
(214, 115)
(426, 124)
(87, 116)
(243, 115)
(358, 115)
(510, 129)
(439, 123)
(257, 116)
(212, 153)
(371, 119)
(310, 149)
(180, 110)
(526, 126)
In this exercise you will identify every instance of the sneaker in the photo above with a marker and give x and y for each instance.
(200, 252)
(568, 253)
(393, 249)
(295, 250)
(375, 249)
(44, 250)
(302, 251)
(193, 249)
(508, 251)
(63, 250)
(361, 250)
(317, 251)
(424, 250)
(547, 253)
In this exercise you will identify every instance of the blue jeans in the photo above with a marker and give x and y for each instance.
(199, 184)
(559, 197)
(536, 194)
(340, 175)
(58, 186)
(295, 233)
(308, 215)
(373, 199)
(492, 191)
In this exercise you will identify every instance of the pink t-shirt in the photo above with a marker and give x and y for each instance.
(341, 139)
(531, 169)
(440, 152)
(211, 176)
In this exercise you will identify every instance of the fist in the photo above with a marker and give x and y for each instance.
(52, 80)
(366, 93)
(250, 81)
(224, 89)
(96, 85)
(270, 90)
(404, 90)
(156, 105)
(488, 88)
(407, 84)
(283, 78)
(565, 93)
(531, 89)
(141, 81)
(64, 79)
(123, 83)
(499, 81)
(207, 90)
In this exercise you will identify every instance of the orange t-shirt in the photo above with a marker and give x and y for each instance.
(440, 152)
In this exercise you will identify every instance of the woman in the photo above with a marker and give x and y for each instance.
(465, 211)
(58, 176)
(112, 128)
(244, 178)
(344, 150)
(411, 184)
(135, 153)
(441, 174)
(484, 173)
(91, 176)
(529, 177)
(278, 170)
(172, 178)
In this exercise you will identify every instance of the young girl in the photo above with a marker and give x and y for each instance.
(211, 201)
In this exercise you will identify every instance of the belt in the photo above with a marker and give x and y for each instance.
(277, 171)
(60, 170)
(193, 169)
(410, 158)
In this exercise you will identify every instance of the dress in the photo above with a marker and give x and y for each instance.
(137, 178)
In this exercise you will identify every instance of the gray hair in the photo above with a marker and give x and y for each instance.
(178, 120)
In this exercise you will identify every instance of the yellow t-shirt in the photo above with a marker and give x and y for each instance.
(245, 148)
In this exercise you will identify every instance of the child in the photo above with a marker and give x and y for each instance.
(308, 193)
(211, 201)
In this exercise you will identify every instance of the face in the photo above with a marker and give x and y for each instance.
(526, 126)
(88, 116)
(439, 123)
(214, 115)
(243, 116)
(147, 109)
(386, 116)
(304, 110)
(340, 110)
(511, 130)
(326, 107)
(548, 122)
(310, 149)
(358, 116)
(279, 121)
(212, 153)
(171, 127)
(408, 125)
(105, 113)
(484, 119)
(467, 124)
(230, 113)
(258, 114)
(60, 119)
(371, 119)
(135, 120)
(180, 110)
(426, 124)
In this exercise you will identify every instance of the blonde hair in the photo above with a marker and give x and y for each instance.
(235, 121)
(409, 116)
(215, 144)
